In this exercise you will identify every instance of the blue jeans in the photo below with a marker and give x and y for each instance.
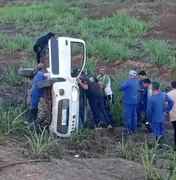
(97, 106)
(130, 117)
(158, 129)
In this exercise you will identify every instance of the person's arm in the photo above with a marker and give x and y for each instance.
(106, 79)
(149, 110)
(40, 77)
(38, 57)
(123, 86)
(83, 84)
(170, 104)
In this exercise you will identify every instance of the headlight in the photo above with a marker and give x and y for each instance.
(74, 94)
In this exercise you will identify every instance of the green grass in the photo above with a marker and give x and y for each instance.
(108, 38)
(159, 52)
(39, 142)
(11, 75)
(10, 121)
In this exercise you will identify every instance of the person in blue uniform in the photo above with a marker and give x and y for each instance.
(36, 93)
(94, 95)
(130, 89)
(142, 103)
(41, 45)
(157, 110)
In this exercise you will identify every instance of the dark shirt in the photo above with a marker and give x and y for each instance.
(43, 42)
(93, 91)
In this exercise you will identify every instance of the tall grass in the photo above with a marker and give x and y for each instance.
(158, 51)
(148, 160)
(90, 66)
(10, 121)
(11, 75)
(39, 142)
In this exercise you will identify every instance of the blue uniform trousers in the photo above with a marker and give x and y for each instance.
(97, 106)
(34, 101)
(130, 117)
(158, 129)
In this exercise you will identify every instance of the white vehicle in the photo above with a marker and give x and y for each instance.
(67, 103)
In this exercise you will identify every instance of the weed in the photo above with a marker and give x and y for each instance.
(146, 11)
(125, 148)
(173, 64)
(158, 51)
(28, 63)
(10, 121)
(110, 50)
(117, 108)
(148, 160)
(90, 66)
(39, 142)
(172, 169)
(11, 75)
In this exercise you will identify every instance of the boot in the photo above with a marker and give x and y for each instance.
(31, 115)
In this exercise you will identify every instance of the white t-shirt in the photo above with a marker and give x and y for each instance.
(106, 81)
(172, 95)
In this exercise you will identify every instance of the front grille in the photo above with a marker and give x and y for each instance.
(63, 116)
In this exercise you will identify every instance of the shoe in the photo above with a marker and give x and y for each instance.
(109, 127)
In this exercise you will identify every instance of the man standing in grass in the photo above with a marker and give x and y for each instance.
(130, 89)
(36, 93)
(42, 44)
(157, 110)
(92, 88)
(172, 95)
(105, 81)
(141, 106)
(147, 93)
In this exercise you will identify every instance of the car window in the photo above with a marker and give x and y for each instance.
(77, 58)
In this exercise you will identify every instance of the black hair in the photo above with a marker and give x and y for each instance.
(142, 73)
(36, 48)
(147, 80)
(173, 84)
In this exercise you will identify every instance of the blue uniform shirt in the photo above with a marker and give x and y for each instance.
(130, 89)
(35, 91)
(156, 107)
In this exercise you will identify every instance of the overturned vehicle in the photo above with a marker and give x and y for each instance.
(64, 106)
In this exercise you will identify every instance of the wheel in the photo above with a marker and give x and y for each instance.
(49, 82)
(25, 72)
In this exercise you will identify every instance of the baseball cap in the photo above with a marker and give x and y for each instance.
(155, 84)
(133, 73)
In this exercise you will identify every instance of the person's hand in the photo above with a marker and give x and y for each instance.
(164, 113)
(56, 36)
(78, 80)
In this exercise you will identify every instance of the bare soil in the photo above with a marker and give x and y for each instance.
(164, 16)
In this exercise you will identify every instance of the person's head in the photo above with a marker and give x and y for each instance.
(142, 75)
(155, 86)
(147, 82)
(50, 34)
(37, 48)
(102, 70)
(41, 67)
(173, 84)
(132, 74)
(82, 75)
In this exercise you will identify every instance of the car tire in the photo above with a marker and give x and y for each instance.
(26, 72)
(49, 82)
